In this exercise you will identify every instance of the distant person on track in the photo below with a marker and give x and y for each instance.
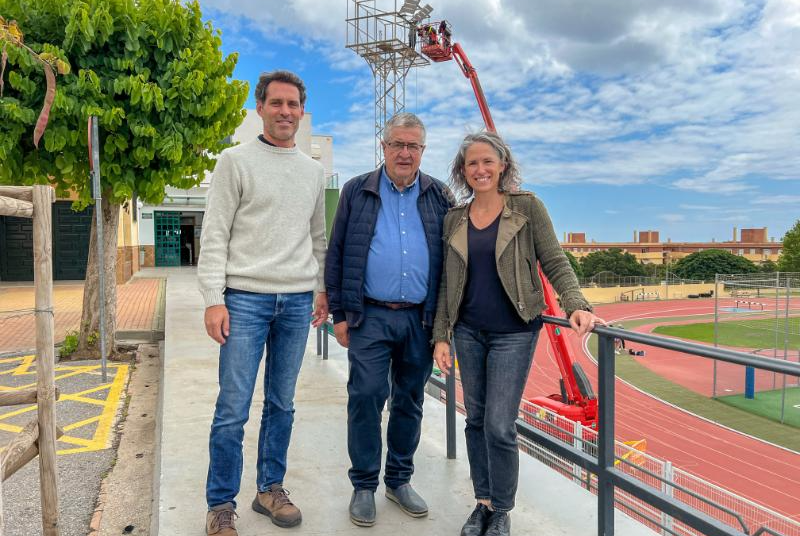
(619, 344)
(490, 304)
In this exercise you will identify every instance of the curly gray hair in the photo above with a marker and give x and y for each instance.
(510, 179)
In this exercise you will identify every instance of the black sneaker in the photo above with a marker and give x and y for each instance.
(499, 525)
(476, 522)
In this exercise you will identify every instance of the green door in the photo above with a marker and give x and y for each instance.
(168, 238)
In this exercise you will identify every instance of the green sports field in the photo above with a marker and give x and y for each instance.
(768, 404)
(745, 333)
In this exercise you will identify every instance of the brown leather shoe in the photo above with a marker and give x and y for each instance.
(220, 522)
(275, 504)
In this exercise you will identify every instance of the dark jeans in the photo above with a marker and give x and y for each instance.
(387, 345)
(280, 322)
(494, 369)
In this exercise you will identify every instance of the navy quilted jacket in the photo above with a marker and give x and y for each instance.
(351, 236)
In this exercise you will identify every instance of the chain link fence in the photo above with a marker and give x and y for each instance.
(758, 313)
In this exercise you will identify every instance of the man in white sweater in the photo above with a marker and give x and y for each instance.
(262, 256)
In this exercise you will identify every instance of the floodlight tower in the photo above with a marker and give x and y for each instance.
(385, 40)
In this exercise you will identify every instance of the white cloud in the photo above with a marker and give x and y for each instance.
(778, 200)
(693, 96)
(672, 217)
(697, 207)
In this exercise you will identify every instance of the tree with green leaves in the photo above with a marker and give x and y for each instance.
(153, 73)
(710, 262)
(768, 267)
(576, 266)
(789, 261)
(612, 260)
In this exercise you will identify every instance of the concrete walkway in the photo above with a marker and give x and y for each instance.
(317, 477)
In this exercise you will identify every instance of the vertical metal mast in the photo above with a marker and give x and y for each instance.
(385, 40)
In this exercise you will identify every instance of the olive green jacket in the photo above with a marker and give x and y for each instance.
(525, 235)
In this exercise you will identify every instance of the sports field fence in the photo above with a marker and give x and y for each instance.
(758, 313)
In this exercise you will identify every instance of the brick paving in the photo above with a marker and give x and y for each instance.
(137, 310)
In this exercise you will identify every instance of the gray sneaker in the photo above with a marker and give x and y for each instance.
(409, 500)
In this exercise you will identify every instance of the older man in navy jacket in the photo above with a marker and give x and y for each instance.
(382, 276)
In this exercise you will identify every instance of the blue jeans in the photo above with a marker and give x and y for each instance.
(387, 344)
(494, 370)
(281, 323)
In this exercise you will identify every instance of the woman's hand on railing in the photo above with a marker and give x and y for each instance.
(441, 354)
(584, 321)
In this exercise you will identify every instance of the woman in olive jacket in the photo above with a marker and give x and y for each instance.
(490, 304)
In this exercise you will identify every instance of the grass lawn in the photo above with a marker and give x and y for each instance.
(744, 333)
(768, 404)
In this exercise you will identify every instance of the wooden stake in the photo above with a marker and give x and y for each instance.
(21, 397)
(15, 207)
(23, 193)
(45, 356)
(22, 449)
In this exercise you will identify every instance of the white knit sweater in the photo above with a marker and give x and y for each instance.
(264, 228)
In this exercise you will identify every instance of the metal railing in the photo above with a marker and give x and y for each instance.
(604, 474)
(603, 470)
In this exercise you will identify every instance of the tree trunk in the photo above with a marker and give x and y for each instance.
(89, 339)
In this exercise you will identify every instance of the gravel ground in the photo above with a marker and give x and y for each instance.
(79, 474)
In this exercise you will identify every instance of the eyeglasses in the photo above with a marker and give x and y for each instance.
(398, 146)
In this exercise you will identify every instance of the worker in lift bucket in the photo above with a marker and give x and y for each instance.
(490, 305)
(445, 34)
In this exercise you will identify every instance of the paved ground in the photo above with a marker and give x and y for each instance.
(87, 411)
(317, 477)
(137, 308)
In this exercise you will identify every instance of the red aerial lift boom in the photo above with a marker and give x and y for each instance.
(577, 400)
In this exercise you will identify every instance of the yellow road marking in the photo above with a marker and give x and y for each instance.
(101, 438)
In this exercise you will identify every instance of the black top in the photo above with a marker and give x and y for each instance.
(265, 140)
(486, 304)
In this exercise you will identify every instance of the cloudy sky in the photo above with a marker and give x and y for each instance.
(681, 116)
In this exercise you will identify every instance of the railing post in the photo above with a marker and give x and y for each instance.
(450, 408)
(666, 487)
(785, 344)
(716, 334)
(319, 339)
(577, 442)
(325, 335)
(605, 436)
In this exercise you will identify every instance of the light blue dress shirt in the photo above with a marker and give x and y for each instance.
(398, 265)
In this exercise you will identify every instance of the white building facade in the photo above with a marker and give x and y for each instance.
(169, 233)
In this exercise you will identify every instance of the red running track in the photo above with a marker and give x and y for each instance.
(749, 467)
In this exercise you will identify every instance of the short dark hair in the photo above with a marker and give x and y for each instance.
(286, 77)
